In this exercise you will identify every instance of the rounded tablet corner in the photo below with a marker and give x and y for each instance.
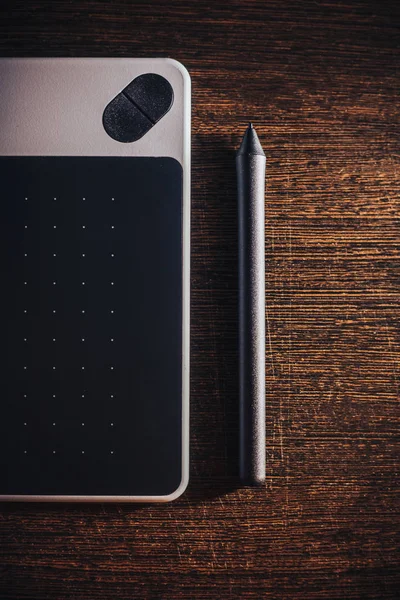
(179, 490)
(181, 68)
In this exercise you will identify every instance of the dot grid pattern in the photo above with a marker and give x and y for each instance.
(91, 387)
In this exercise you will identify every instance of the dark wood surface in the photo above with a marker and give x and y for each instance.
(320, 80)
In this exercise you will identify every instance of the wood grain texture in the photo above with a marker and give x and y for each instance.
(320, 80)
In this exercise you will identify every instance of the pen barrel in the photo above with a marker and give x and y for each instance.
(251, 232)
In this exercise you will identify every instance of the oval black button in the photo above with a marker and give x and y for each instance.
(123, 121)
(138, 107)
(152, 94)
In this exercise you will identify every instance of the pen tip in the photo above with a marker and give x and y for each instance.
(250, 143)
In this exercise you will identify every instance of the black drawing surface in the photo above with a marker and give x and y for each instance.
(91, 316)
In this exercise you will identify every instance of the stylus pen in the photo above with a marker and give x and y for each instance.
(250, 166)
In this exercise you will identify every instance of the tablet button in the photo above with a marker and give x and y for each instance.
(140, 105)
(123, 121)
(152, 94)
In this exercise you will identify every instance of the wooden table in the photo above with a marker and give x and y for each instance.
(320, 80)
